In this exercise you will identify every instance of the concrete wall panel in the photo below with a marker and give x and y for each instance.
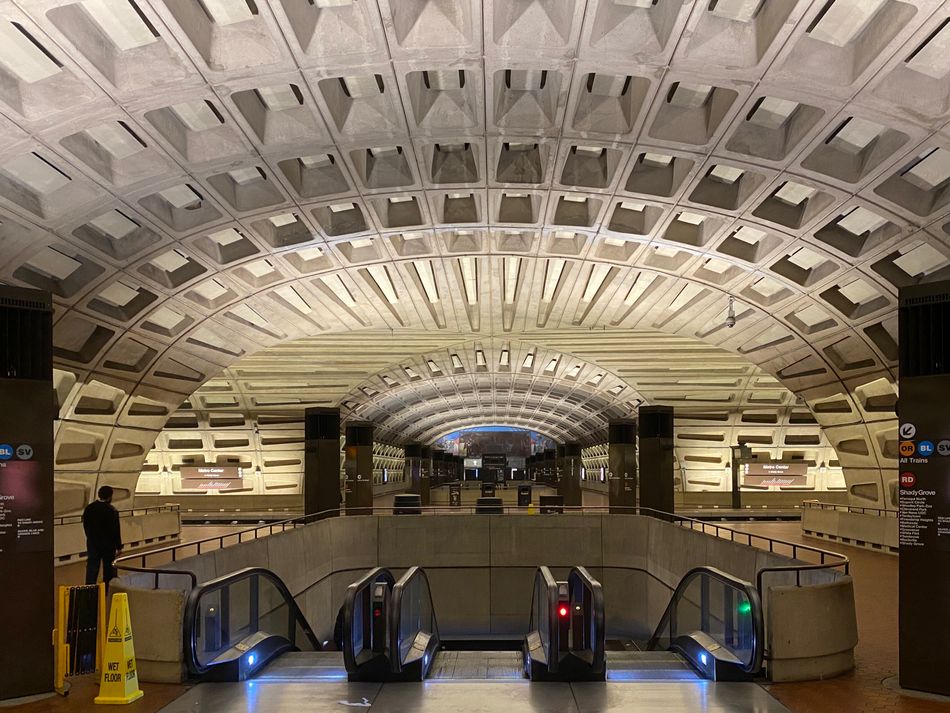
(546, 540)
(433, 542)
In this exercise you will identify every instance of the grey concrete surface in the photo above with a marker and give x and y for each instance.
(476, 697)
(481, 567)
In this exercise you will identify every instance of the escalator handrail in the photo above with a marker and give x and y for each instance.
(191, 621)
(349, 604)
(395, 620)
(599, 653)
(552, 646)
(758, 645)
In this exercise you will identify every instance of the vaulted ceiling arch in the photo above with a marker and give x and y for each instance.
(195, 182)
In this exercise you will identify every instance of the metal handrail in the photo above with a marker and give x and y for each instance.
(758, 620)
(280, 525)
(582, 576)
(395, 621)
(544, 578)
(349, 610)
(858, 509)
(191, 608)
(826, 558)
(131, 512)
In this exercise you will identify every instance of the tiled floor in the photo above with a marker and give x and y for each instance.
(485, 696)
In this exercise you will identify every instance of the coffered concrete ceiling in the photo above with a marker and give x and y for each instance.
(198, 180)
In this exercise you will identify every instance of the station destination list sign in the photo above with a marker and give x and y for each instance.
(212, 477)
(924, 476)
(775, 474)
(923, 485)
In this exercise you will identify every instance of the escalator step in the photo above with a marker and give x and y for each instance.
(305, 665)
(648, 666)
(477, 665)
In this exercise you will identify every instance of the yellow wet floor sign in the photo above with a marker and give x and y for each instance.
(120, 680)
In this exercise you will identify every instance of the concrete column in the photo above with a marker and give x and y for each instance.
(358, 467)
(570, 483)
(321, 470)
(622, 465)
(655, 428)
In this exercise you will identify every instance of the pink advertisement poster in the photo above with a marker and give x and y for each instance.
(22, 524)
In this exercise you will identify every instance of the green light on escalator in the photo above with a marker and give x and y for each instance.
(745, 607)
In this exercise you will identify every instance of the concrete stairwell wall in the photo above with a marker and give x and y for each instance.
(481, 570)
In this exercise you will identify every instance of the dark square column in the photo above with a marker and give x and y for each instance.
(438, 466)
(655, 429)
(321, 487)
(358, 467)
(570, 483)
(26, 491)
(414, 466)
(923, 435)
(548, 465)
(418, 466)
(425, 475)
(622, 465)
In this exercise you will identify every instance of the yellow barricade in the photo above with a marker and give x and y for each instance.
(78, 636)
(120, 679)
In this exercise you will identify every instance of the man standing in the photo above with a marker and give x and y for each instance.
(100, 521)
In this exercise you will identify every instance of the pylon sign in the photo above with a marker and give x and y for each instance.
(120, 679)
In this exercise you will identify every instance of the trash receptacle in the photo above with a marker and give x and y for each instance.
(489, 506)
(407, 504)
(488, 490)
(524, 496)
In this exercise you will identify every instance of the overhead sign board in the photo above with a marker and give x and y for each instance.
(212, 477)
(774, 474)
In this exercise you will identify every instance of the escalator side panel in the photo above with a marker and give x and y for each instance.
(271, 623)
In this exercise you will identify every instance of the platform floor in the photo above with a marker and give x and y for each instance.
(476, 697)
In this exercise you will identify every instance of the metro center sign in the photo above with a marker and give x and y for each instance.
(212, 477)
(774, 474)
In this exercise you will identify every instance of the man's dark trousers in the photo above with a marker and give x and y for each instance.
(95, 557)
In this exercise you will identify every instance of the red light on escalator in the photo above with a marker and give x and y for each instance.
(377, 612)
(562, 611)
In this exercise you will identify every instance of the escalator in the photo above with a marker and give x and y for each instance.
(247, 624)
(566, 638)
(715, 622)
(235, 625)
